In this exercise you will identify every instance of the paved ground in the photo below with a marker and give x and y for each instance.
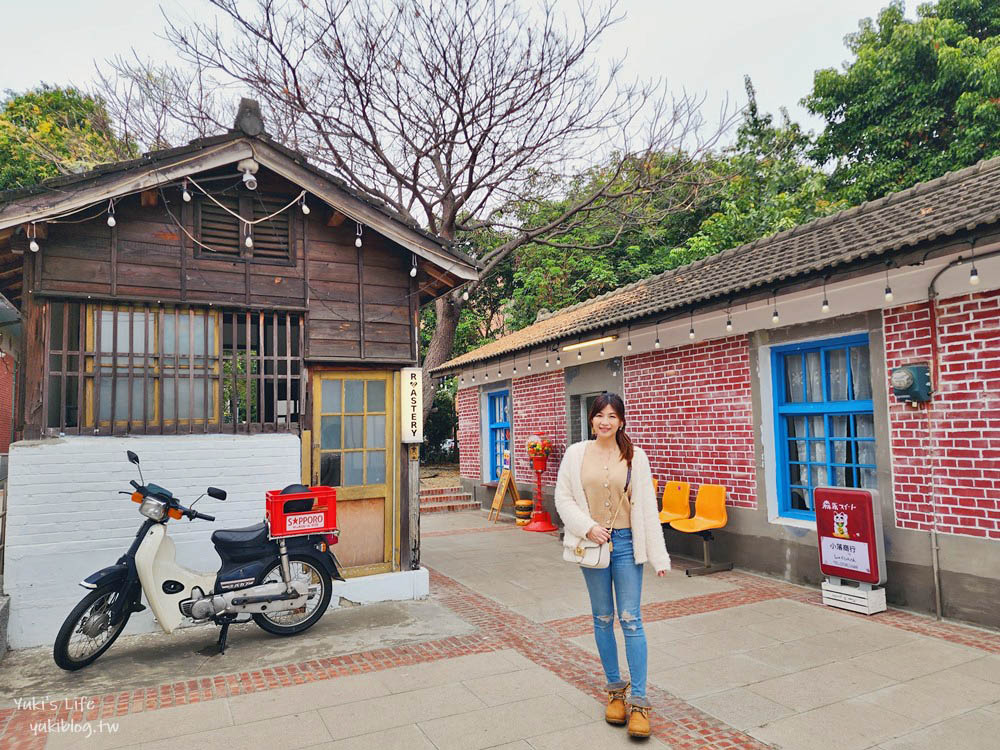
(502, 656)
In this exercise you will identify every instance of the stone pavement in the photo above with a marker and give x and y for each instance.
(502, 656)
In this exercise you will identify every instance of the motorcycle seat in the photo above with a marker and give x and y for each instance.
(249, 536)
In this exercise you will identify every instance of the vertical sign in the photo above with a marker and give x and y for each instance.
(412, 383)
(849, 529)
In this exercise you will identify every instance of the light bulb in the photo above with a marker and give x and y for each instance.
(465, 295)
(529, 367)
(657, 344)
(974, 276)
(305, 208)
(33, 246)
(825, 307)
(579, 354)
(602, 350)
(888, 294)
(248, 241)
(775, 318)
(111, 220)
(558, 359)
(413, 271)
(546, 361)
(628, 346)
(473, 378)
(515, 369)
(486, 376)
(462, 380)
(357, 241)
(691, 333)
(729, 325)
(186, 196)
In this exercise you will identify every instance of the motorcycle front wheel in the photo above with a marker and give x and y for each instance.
(87, 632)
(292, 621)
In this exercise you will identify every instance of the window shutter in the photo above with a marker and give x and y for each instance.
(220, 230)
(270, 238)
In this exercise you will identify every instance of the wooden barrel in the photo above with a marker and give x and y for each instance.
(522, 512)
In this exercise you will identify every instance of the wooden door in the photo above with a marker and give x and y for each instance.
(354, 448)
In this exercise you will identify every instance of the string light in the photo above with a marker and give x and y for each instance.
(546, 360)
(656, 345)
(888, 289)
(825, 307)
(413, 266)
(691, 329)
(558, 359)
(529, 360)
(515, 365)
(473, 377)
(357, 239)
(305, 206)
(602, 350)
(775, 318)
(973, 274)
(579, 353)
(111, 213)
(628, 346)
(185, 194)
(729, 319)
(33, 245)
(249, 240)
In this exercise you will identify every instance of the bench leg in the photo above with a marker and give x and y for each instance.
(708, 567)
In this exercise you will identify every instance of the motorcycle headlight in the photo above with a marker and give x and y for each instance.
(153, 508)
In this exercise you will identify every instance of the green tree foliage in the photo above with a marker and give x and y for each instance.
(770, 187)
(919, 98)
(49, 131)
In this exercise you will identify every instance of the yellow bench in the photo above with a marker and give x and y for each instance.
(709, 513)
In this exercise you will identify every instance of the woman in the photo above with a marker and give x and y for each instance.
(593, 502)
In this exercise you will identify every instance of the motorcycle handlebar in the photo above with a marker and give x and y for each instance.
(192, 514)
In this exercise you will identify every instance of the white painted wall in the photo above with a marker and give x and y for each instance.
(66, 519)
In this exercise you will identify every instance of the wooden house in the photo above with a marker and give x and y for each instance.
(223, 289)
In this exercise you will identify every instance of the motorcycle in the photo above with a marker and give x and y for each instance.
(284, 585)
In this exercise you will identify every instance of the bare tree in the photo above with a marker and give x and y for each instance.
(447, 111)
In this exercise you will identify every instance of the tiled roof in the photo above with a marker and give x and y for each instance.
(958, 201)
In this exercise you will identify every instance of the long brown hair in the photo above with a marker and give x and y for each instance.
(615, 402)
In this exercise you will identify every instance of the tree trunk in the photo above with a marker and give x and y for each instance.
(442, 341)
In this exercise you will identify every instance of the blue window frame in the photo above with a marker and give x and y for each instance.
(498, 404)
(823, 419)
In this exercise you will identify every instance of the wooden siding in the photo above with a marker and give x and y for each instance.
(359, 302)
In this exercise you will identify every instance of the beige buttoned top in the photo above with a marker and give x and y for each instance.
(604, 485)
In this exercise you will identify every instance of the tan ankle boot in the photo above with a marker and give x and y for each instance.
(615, 713)
(638, 721)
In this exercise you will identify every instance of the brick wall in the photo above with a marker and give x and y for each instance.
(539, 407)
(467, 405)
(949, 449)
(690, 409)
(6, 400)
(66, 521)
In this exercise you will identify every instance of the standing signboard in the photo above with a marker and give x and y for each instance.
(851, 547)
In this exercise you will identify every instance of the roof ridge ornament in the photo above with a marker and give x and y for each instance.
(248, 118)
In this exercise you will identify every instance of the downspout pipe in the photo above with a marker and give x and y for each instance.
(932, 298)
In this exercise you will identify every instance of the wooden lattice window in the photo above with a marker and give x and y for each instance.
(150, 368)
(226, 234)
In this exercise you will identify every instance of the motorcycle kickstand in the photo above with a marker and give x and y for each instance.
(223, 634)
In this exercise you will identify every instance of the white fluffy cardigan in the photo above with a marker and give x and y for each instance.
(571, 504)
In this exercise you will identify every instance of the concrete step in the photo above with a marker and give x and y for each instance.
(448, 506)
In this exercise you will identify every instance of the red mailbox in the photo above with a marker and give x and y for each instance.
(849, 529)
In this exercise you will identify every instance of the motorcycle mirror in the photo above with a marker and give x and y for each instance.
(134, 459)
(216, 493)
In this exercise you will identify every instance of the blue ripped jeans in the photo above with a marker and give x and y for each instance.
(626, 577)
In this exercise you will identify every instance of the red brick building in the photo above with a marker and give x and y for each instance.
(767, 369)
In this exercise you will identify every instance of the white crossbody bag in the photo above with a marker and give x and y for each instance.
(588, 554)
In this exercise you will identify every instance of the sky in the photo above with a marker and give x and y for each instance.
(704, 46)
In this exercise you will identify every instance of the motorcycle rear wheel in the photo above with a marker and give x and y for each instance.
(291, 622)
(76, 653)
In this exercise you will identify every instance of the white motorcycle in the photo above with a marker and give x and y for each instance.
(284, 585)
